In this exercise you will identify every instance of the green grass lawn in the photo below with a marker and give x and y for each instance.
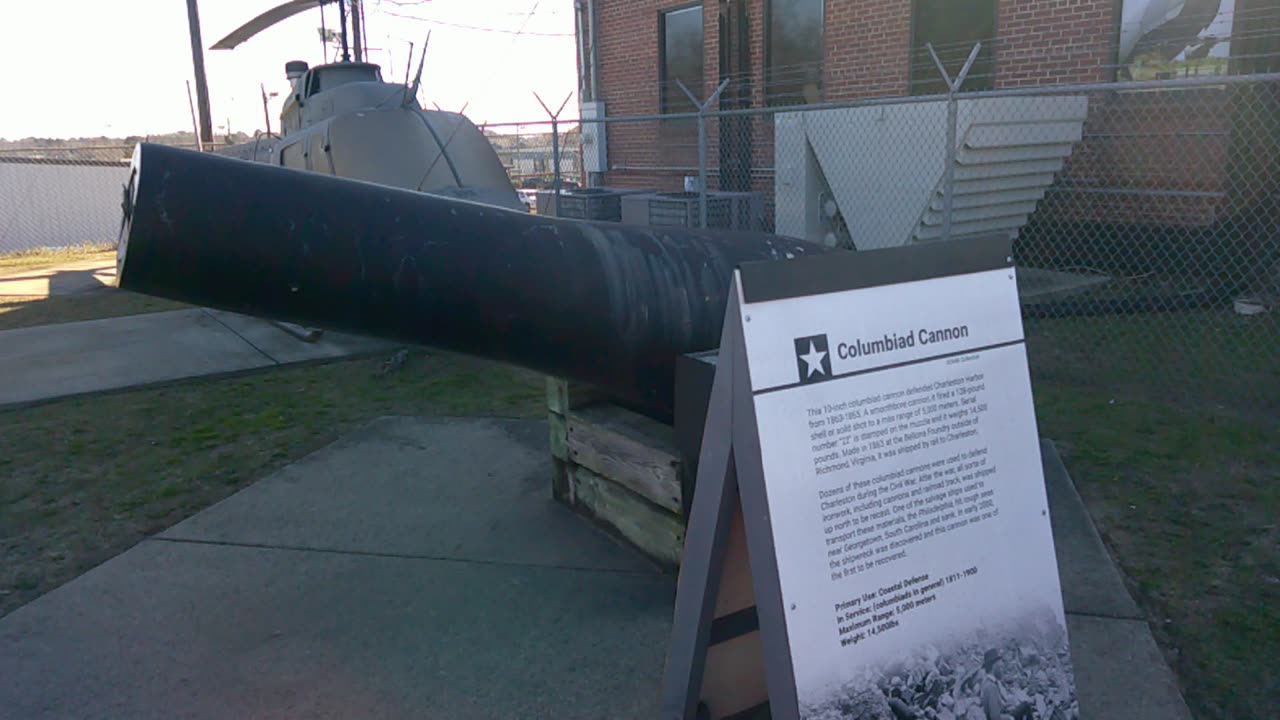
(44, 257)
(1187, 501)
(1169, 428)
(85, 478)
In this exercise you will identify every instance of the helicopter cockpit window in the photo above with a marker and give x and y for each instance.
(330, 77)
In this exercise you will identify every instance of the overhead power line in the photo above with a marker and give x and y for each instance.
(477, 28)
(420, 3)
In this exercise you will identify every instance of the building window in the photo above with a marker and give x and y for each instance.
(680, 45)
(793, 52)
(1192, 43)
(952, 27)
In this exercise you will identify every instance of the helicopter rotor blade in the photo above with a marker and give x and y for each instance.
(266, 20)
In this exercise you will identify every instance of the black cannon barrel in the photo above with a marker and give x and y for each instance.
(607, 304)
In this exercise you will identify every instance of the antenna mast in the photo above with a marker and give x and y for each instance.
(342, 15)
(324, 37)
(356, 19)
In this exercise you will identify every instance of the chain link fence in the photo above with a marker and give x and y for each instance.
(529, 152)
(59, 197)
(1144, 215)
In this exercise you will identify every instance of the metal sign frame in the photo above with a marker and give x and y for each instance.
(730, 479)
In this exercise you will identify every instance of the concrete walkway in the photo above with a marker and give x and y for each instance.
(52, 361)
(418, 569)
(40, 363)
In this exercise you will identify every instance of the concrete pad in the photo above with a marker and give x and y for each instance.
(56, 360)
(1120, 673)
(64, 279)
(198, 631)
(1091, 584)
(284, 347)
(53, 361)
(417, 569)
(475, 490)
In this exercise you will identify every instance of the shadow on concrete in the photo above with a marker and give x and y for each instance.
(72, 279)
(75, 282)
(66, 282)
(39, 298)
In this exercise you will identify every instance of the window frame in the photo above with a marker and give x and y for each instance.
(767, 37)
(995, 59)
(662, 55)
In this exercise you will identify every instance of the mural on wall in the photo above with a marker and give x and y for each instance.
(1163, 39)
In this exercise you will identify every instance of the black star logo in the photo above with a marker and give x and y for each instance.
(813, 359)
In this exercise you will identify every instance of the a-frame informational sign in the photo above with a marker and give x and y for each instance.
(869, 535)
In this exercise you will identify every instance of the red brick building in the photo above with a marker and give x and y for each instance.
(1164, 157)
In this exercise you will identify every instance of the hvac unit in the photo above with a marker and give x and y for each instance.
(727, 210)
(872, 177)
(546, 202)
(596, 203)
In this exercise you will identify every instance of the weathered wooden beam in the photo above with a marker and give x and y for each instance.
(628, 449)
(558, 427)
(564, 396)
(657, 533)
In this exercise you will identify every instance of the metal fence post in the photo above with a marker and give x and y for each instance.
(702, 169)
(949, 171)
(702, 146)
(555, 159)
(953, 118)
(555, 145)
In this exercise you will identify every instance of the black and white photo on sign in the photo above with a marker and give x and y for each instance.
(1165, 39)
(1020, 669)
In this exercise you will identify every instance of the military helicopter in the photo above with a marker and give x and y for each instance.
(343, 119)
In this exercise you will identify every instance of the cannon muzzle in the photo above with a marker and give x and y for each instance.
(595, 302)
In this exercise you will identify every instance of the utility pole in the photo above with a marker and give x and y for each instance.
(202, 84)
(355, 30)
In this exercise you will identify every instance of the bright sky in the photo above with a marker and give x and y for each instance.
(86, 67)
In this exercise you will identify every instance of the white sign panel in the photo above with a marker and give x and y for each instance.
(905, 492)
